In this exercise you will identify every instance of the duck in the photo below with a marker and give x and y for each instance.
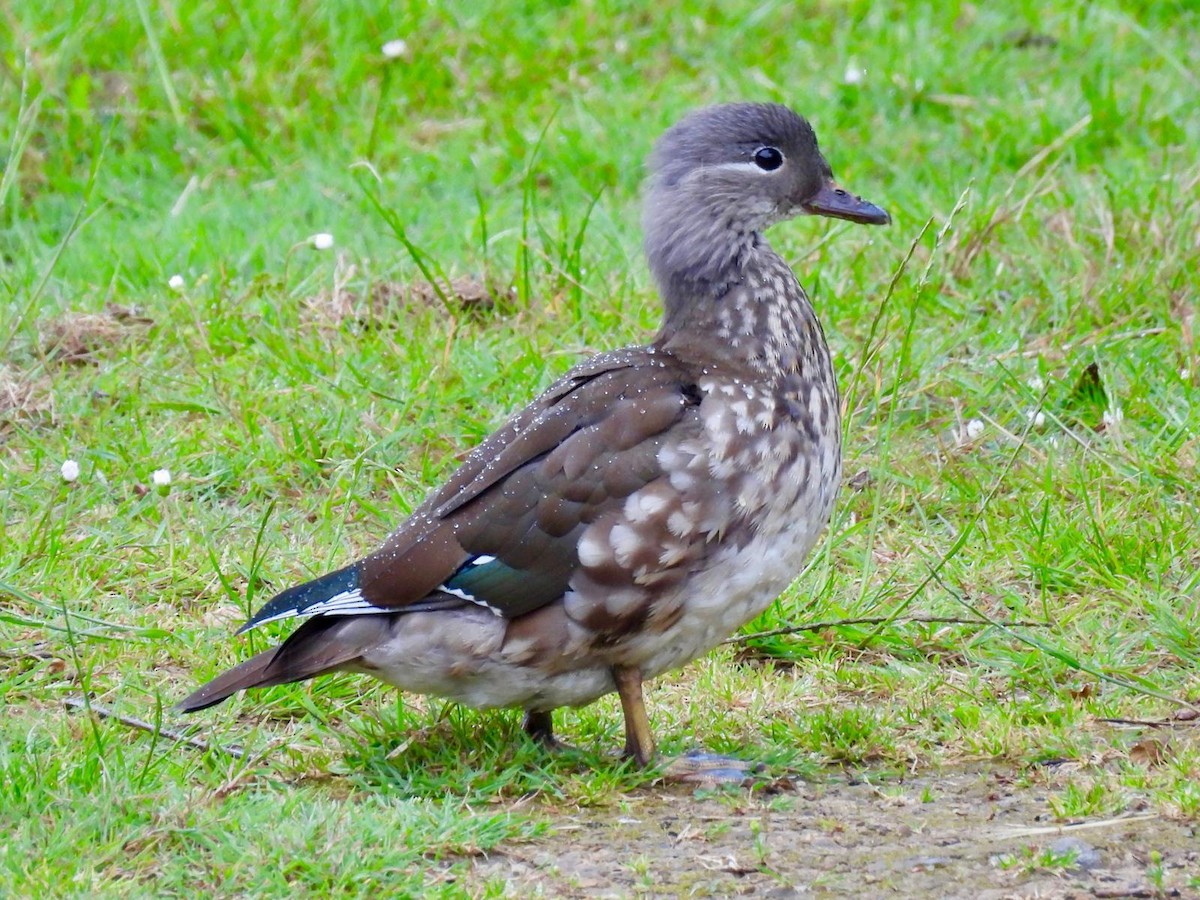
(648, 504)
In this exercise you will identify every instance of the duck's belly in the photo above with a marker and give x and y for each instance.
(468, 655)
(461, 655)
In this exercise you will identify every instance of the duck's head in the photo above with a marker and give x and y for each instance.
(724, 174)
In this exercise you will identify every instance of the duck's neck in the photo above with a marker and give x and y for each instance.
(752, 318)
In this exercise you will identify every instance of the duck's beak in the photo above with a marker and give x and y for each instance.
(837, 203)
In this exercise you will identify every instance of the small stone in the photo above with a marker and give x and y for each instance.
(1087, 857)
(925, 863)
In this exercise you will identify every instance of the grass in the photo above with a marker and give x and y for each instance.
(1018, 357)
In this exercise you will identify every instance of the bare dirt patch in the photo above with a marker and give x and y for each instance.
(971, 834)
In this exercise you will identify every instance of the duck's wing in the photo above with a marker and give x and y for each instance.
(503, 531)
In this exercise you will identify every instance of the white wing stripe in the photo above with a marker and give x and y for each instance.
(347, 603)
(463, 595)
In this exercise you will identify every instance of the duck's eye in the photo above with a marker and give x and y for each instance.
(768, 159)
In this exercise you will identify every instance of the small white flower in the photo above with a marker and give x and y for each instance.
(175, 282)
(973, 429)
(1036, 416)
(1113, 416)
(394, 49)
(322, 240)
(161, 477)
(1185, 374)
(854, 75)
(1036, 384)
(70, 470)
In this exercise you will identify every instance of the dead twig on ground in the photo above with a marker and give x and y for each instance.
(1177, 722)
(105, 712)
(878, 620)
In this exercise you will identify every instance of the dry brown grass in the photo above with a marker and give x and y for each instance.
(82, 338)
(341, 305)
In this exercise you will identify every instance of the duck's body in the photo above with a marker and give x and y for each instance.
(643, 508)
(682, 574)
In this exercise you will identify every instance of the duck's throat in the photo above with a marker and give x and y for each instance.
(756, 319)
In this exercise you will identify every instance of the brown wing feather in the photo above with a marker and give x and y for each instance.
(524, 493)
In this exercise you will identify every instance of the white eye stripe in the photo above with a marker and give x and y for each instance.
(739, 167)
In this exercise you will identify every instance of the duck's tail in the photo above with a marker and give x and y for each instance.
(317, 647)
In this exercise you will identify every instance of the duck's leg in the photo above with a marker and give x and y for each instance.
(539, 725)
(639, 742)
(696, 767)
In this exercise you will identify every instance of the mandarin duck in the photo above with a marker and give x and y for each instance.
(652, 501)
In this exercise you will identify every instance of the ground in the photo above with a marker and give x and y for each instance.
(267, 271)
(966, 833)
